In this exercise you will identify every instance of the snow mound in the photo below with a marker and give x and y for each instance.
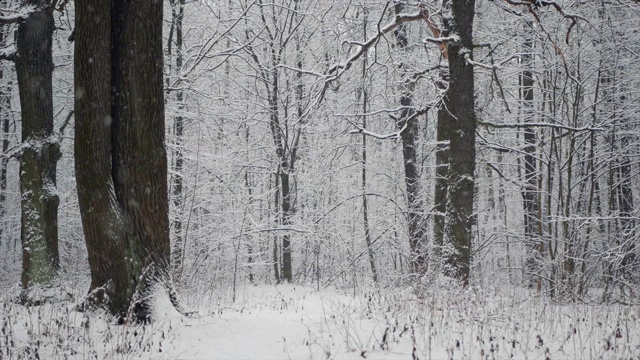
(162, 307)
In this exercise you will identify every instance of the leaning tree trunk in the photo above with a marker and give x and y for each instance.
(40, 150)
(409, 121)
(461, 122)
(121, 166)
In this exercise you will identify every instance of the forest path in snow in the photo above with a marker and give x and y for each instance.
(275, 322)
(297, 322)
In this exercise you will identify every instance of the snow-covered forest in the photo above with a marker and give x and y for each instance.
(319, 179)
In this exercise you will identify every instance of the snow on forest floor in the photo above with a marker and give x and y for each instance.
(295, 322)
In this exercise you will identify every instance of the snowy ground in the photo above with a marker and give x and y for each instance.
(293, 322)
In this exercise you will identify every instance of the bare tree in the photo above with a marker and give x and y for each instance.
(287, 110)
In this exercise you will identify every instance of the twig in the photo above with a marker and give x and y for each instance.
(533, 125)
(65, 123)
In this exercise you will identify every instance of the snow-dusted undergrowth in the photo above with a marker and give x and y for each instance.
(294, 322)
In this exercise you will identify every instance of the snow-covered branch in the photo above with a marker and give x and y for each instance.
(442, 39)
(393, 135)
(339, 68)
(8, 53)
(532, 5)
(336, 70)
(24, 13)
(532, 125)
(494, 66)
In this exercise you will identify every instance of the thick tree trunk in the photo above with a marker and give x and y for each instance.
(461, 122)
(121, 167)
(140, 160)
(40, 151)
(102, 220)
(417, 224)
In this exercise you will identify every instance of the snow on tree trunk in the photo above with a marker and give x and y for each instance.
(40, 151)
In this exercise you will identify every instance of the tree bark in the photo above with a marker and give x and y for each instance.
(40, 150)
(461, 127)
(287, 212)
(121, 166)
(276, 212)
(442, 164)
(417, 224)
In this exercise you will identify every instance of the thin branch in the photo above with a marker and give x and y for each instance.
(8, 56)
(440, 40)
(375, 112)
(16, 18)
(283, 229)
(436, 31)
(395, 134)
(336, 70)
(500, 174)
(532, 5)
(537, 125)
(492, 66)
(65, 123)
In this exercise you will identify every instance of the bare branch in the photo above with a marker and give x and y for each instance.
(8, 56)
(24, 12)
(13, 18)
(65, 123)
(336, 70)
(395, 134)
(538, 125)
(532, 5)
(440, 40)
